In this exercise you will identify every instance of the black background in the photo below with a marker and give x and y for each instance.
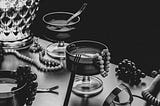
(129, 29)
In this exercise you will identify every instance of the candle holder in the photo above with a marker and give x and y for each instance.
(16, 17)
(87, 58)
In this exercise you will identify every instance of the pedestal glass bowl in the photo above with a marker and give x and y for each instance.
(15, 18)
(56, 22)
(80, 61)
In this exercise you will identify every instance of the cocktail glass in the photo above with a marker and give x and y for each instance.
(56, 23)
(80, 60)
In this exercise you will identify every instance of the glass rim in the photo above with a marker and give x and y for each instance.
(60, 12)
(13, 92)
(83, 41)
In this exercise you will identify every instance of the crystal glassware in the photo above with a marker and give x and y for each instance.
(56, 23)
(80, 61)
(15, 19)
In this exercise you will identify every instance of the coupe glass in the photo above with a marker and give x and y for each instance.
(9, 96)
(80, 61)
(56, 23)
(15, 18)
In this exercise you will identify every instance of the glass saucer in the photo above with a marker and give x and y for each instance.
(92, 88)
(56, 51)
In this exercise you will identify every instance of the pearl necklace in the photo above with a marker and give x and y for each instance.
(102, 61)
(54, 65)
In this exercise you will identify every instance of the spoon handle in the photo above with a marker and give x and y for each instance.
(49, 90)
(77, 13)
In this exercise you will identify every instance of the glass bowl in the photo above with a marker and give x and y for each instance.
(16, 88)
(57, 25)
(80, 61)
(56, 21)
(8, 95)
(87, 49)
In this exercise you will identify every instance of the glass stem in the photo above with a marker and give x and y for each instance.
(86, 79)
(60, 43)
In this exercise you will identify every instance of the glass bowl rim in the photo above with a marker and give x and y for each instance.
(87, 41)
(62, 12)
(14, 91)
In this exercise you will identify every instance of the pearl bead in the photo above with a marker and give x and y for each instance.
(100, 57)
(107, 62)
(101, 66)
(108, 57)
(101, 70)
(102, 62)
(108, 53)
(49, 63)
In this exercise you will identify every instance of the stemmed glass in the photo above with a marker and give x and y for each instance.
(56, 23)
(86, 58)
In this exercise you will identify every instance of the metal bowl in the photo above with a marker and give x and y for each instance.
(85, 64)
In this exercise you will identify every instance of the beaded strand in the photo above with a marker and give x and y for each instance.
(103, 61)
(57, 65)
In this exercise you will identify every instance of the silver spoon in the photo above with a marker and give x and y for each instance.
(77, 13)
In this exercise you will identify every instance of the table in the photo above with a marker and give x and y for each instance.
(61, 78)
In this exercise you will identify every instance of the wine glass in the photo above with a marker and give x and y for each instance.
(82, 59)
(56, 24)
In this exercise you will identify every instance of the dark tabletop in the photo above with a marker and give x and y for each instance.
(61, 78)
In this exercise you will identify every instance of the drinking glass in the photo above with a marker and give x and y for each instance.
(12, 91)
(80, 61)
(56, 23)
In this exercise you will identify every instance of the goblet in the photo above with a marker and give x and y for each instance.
(87, 58)
(16, 17)
(56, 23)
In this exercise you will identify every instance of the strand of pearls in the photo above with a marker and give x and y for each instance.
(49, 63)
(51, 68)
(103, 61)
